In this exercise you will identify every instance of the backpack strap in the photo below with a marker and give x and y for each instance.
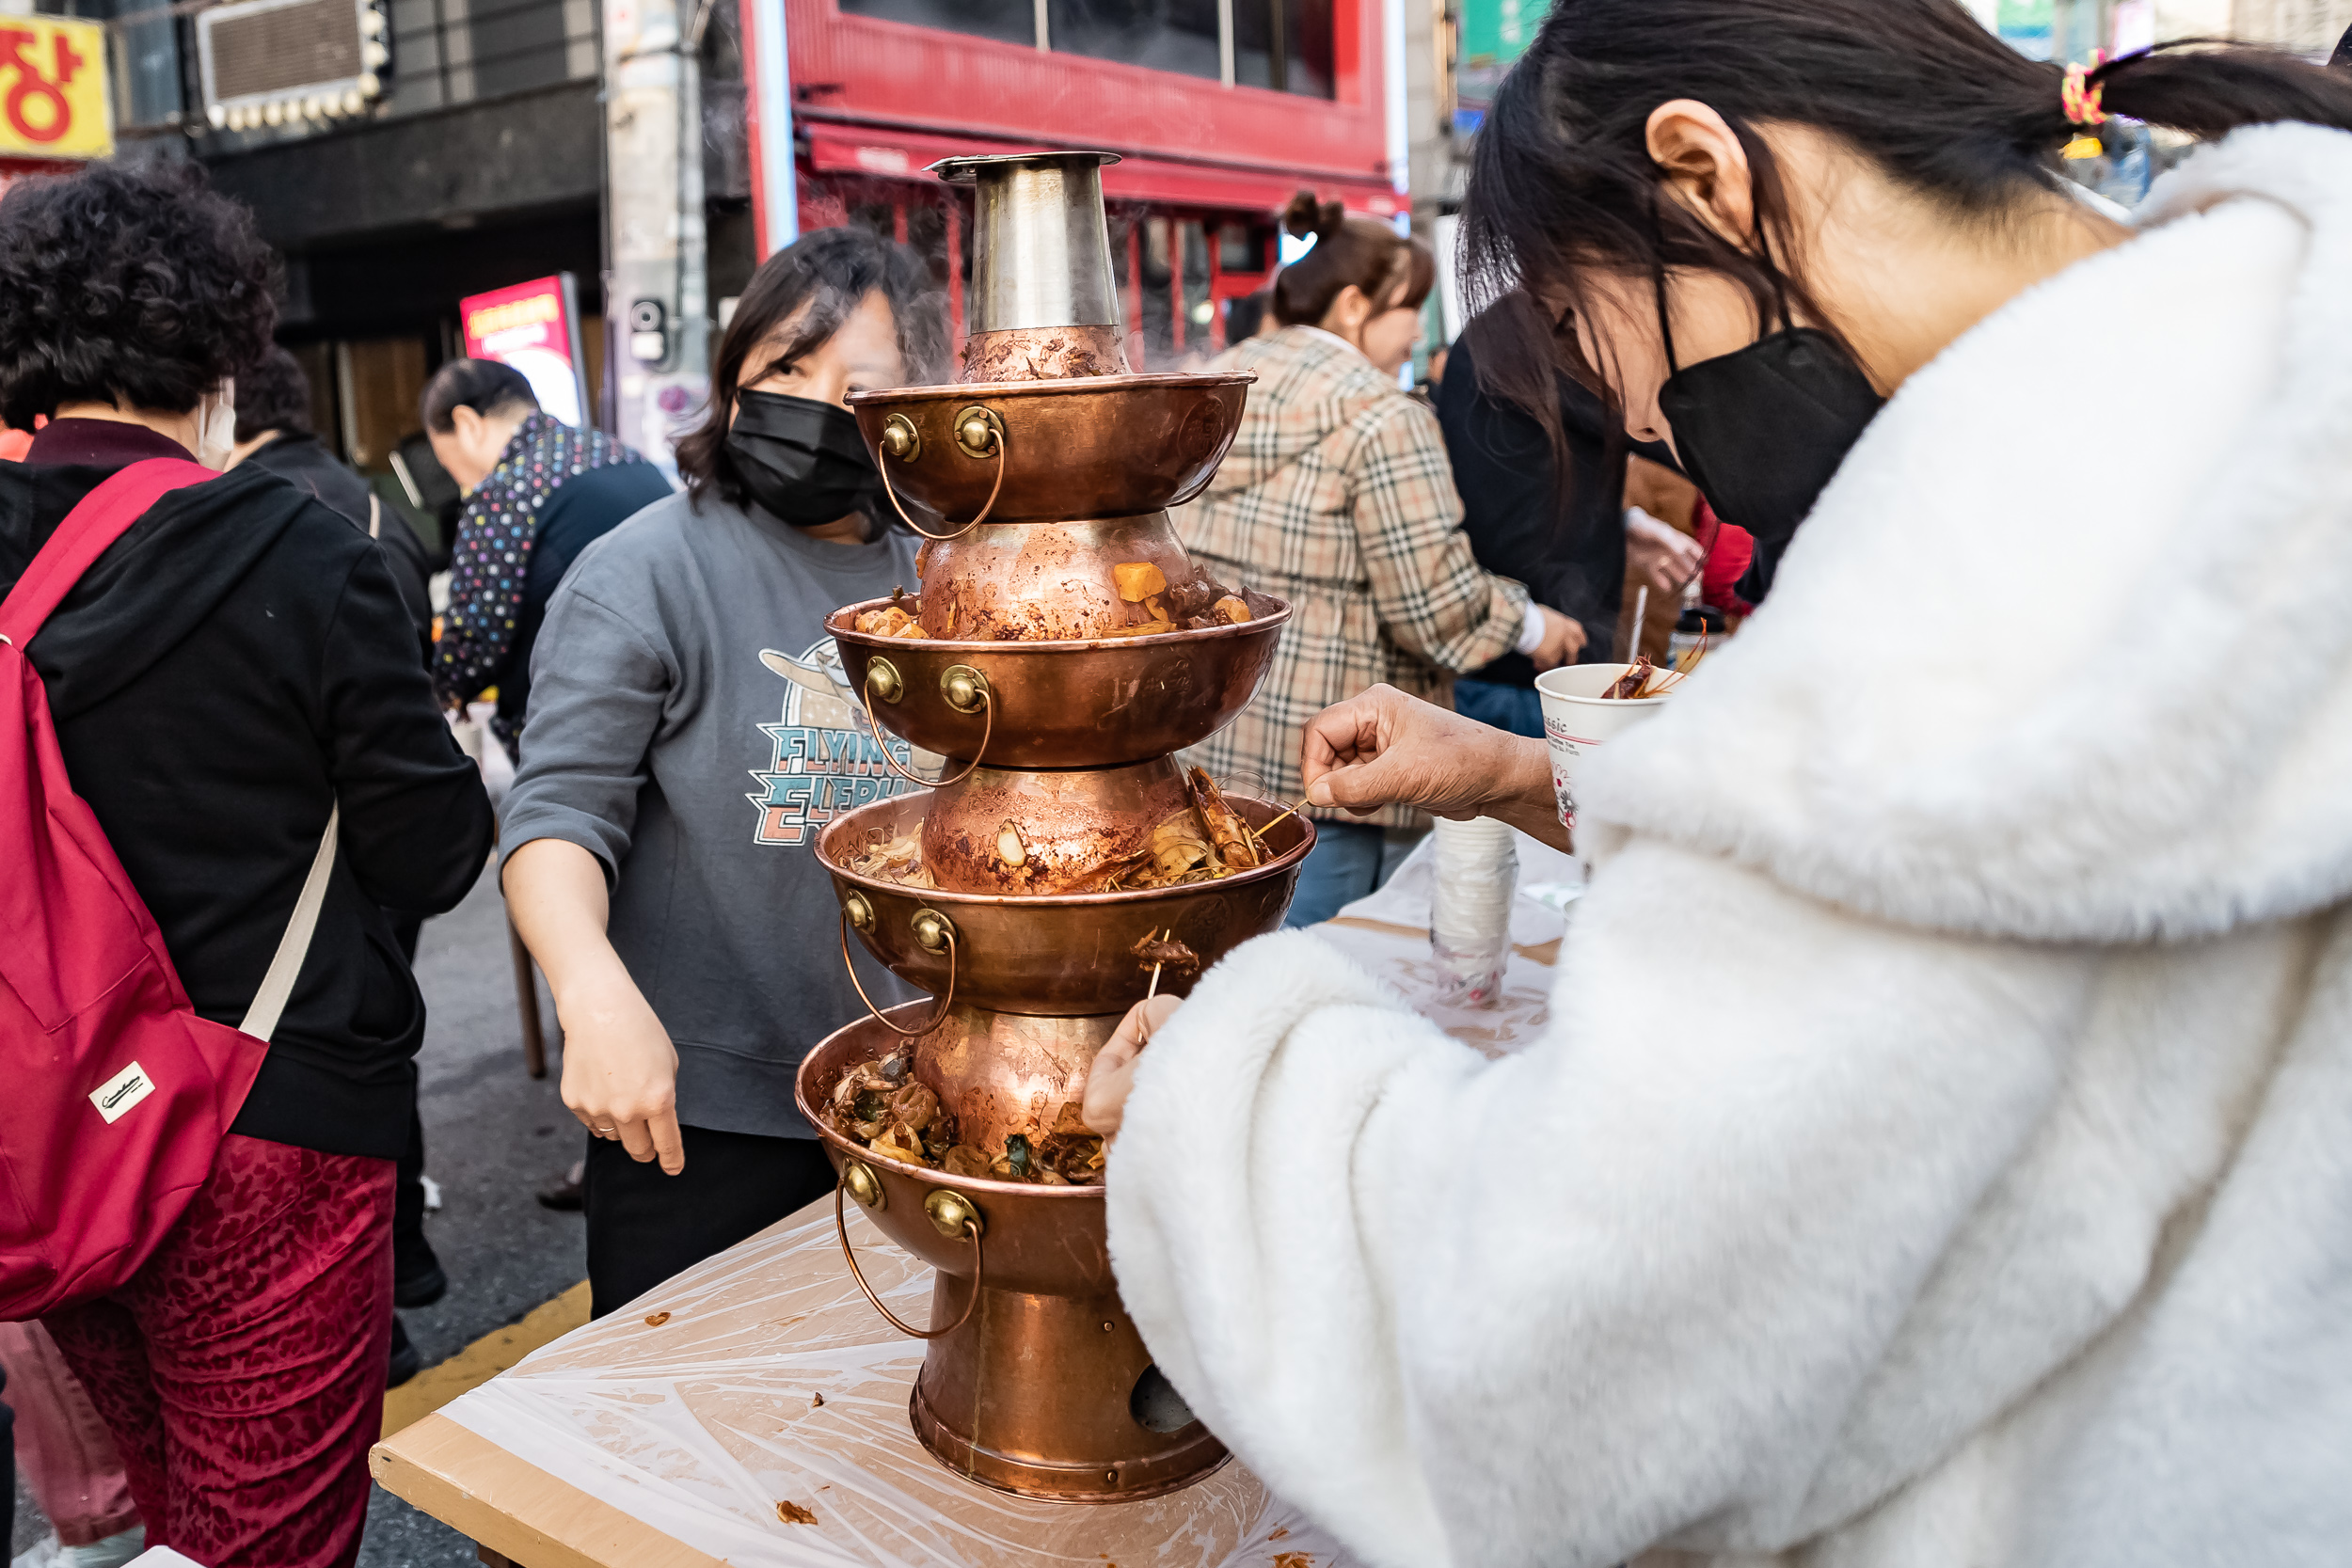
(104, 516)
(261, 1019)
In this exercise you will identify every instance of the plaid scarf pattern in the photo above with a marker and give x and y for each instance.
(1338, 496)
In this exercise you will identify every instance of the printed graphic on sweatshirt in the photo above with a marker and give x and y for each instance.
(825, 759)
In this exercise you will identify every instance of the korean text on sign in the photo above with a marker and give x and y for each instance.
(52, 88)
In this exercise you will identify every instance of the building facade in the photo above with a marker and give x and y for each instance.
(1220, 110)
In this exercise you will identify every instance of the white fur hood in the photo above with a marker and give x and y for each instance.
(1955, 715)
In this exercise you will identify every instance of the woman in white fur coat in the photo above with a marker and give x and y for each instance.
(1940, 1152)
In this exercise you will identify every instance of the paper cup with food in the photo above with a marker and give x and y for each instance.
(1586, 706)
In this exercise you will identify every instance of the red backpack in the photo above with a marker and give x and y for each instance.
(117, 1093)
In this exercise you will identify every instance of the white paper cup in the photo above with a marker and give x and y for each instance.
(1577, 719)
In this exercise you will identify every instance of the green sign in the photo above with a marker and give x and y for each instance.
(1496, 32)
(2026, 25)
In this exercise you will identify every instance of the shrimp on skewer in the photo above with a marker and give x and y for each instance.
(1230, 837)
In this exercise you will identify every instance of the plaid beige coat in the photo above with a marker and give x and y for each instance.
(1337, 496)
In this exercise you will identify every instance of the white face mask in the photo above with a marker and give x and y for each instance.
(217, 426)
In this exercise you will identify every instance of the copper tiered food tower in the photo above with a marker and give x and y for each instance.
(1045, 467)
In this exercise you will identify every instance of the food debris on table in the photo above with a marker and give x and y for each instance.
(656, 1319)
(793, 1513)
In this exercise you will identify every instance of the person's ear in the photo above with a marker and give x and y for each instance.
(1350, 309)
(1706, 167)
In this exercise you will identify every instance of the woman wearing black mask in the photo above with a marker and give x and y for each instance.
(690, 737)
(1934, 1154)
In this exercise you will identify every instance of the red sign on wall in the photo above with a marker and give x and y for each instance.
(534, 326)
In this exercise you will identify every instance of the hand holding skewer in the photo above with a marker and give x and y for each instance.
(1112, 1076)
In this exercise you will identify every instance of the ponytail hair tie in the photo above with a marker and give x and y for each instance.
(2080, 97)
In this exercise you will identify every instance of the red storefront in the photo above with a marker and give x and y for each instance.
(1221, 110)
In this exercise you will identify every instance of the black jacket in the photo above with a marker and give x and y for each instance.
(303, 457)
(1568, 549)
(231, 668)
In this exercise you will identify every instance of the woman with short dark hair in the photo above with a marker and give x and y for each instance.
(227, 674)
(1936, 1154)
(682, 918)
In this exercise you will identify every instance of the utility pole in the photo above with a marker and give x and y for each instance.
(657, 305)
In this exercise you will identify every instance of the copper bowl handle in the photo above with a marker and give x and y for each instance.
(946, 1000)
(996, 439)
(988, 729)
(971, 1227)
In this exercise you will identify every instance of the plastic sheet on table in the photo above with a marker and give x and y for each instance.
(759, 1389)
(1388, 932)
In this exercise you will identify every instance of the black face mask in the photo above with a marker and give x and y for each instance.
(802, 460)
(1762, 431)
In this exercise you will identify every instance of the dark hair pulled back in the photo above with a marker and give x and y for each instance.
(827, 271)
(488, 387)
(1562, 184)
(1391, 270)
(135, 285)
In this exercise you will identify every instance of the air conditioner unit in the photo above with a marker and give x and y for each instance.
(269, 62)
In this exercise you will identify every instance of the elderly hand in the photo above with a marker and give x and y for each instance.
(1112, 1077)
(1383, 748)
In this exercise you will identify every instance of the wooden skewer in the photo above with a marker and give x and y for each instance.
(1143, 1024)
(1260, 832)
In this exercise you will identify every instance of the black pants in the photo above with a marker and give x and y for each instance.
(644, 1226)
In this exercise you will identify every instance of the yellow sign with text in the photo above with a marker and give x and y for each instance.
(52, 88)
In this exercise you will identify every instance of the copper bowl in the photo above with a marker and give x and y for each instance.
(1034, 830)
(1108, 446)
(1044, 582)
(1126, 699)
(1037, 1382)
(1042, 1239)
(1056, 955)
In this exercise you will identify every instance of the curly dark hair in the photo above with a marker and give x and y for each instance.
(135, 285)
(826, 274)
(273, 394)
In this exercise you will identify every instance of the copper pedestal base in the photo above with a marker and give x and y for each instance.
(1045, 1388)
(1059, 1426)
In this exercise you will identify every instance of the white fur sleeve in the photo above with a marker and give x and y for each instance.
(1560, 1308)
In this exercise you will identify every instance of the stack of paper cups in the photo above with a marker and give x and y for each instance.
(1578, 717)
(1477, 875)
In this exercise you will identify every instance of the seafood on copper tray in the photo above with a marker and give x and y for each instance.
(895, 619)
(1201, 845)
(1194, 605)
(1205, 841)
(889, 1112)
(893, 860)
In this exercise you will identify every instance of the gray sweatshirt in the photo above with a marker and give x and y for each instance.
(691, 729)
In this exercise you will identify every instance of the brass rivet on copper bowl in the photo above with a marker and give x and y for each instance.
(964, 688)
(863, 1183)
(932, 931)
(900, 439)
(860, 910)
(881, 679)
(978, 432)
(952, 1213)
